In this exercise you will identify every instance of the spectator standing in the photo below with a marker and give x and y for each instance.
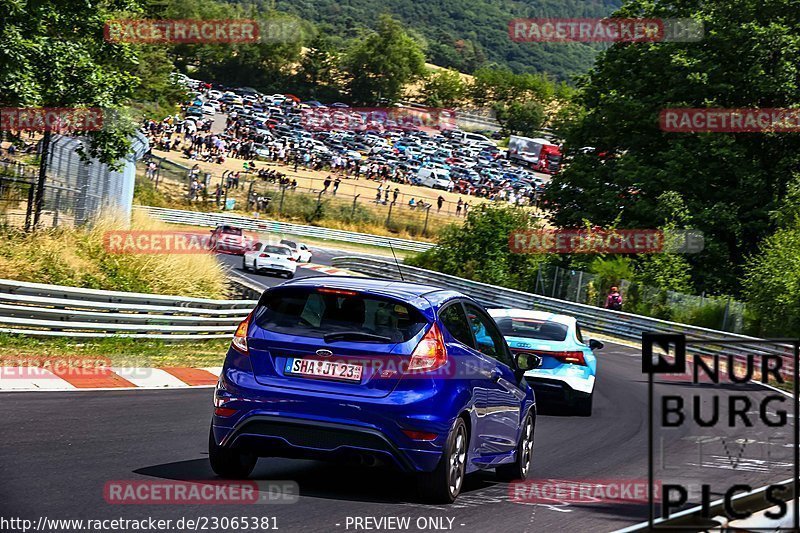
(614, 300)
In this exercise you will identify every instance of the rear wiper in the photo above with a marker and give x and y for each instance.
(356, 336)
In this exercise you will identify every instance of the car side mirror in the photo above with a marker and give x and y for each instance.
(528, 361)
(595, 344)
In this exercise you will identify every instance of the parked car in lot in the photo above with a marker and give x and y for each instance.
(265, 257)
(569, 366)
(435, 178)
(372, 371)
(230, 240)
(300, 252)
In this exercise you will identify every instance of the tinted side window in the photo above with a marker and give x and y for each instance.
(455, 321)
(578, 334)
(488, 339)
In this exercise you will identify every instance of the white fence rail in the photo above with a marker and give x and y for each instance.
(37, 309)
(195, 218)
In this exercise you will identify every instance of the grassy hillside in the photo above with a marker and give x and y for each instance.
(465, 34)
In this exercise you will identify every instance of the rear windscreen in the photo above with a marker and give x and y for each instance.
(227, 230)
(312, 313)
(530, 328)
(277, 250)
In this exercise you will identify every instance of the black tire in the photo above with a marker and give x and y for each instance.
(521, 467)
(255, 267)
(444, 484)
(290, 275)
(244, 264)
(583, 406)
(228, 463)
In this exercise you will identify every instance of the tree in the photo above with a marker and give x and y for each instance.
(519, 118)
(749, 57)
(53, 54)
(444, 88)
(772, 282)
(380, 64)
(318, 67)
(479, 249)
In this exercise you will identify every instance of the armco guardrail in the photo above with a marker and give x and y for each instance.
(37, 309)
(196, 218)
(598, 320)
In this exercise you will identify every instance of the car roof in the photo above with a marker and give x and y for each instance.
(385, 287)
(536, 315)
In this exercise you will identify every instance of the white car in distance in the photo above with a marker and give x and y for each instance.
(272, 258)
(300, 252)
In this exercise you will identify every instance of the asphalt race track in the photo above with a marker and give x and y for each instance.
(59, 450)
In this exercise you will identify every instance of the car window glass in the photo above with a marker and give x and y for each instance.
(488, 339)
(308, 313)
(578, 334)
(455, 322)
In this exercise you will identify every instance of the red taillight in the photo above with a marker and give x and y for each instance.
(240, 337)
(430, 353)
(292, 259)
(264, 255)
(575, 358)
(337, 291)
(420, 435)
(224, 411)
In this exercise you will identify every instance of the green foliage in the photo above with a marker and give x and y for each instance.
(610, 271)
(381, 63)
(53, 54)
(502, 85)
(444, 88)
(479, 249)
(466, 34)
(731, 183)
(519, 118)
(772, 282)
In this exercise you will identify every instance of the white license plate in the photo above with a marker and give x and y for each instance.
(323, 369)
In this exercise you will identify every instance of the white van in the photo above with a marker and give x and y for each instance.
(435, 178)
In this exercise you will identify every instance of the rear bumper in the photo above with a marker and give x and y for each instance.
(231, 249)
(280, 269)
(282, 422)
(555, 390)
(294, 437)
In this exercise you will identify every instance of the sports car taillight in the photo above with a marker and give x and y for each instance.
(240, 337)
(430, 353)
(575, 358)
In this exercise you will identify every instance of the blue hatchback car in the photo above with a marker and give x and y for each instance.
(374, 372)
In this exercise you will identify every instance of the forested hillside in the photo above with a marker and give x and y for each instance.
(462, 34)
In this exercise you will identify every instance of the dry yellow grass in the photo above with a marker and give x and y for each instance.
(79, 257)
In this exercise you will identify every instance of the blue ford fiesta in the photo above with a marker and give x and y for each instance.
(374, 372)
